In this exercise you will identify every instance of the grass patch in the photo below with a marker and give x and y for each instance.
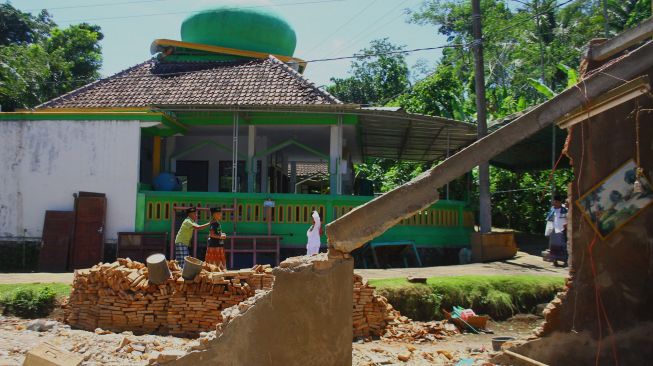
(31, 300)
(497, 296)
(60, 289)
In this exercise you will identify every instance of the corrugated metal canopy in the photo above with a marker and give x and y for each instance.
(405, 136)
(533, 153)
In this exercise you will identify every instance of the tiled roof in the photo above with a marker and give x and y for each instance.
(306, 169)
(253, 82)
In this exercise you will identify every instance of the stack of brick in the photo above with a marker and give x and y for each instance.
(372, 313)
(118, 297)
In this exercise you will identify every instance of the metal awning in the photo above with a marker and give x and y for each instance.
(414, 137)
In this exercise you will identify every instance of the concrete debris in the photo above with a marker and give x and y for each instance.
(169, 355)
(41, 325)
(47, 354)
(404, 356)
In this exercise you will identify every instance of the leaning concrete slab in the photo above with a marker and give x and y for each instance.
(372, 219)
(306, 319)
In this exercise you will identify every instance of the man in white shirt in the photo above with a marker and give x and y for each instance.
(558, 238)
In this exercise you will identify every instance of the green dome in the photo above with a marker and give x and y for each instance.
(253, 29)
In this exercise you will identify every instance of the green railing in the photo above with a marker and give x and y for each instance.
(445, 224)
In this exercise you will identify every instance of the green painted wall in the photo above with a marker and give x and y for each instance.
(293, 234)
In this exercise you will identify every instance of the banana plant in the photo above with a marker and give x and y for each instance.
(548, 93)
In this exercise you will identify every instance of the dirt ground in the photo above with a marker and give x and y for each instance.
(105, 349)
(476, 348)
(97, 349)
(522, 263)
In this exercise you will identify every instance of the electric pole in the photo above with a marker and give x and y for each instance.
(485, 208)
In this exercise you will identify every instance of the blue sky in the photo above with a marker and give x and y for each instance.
(130, 26)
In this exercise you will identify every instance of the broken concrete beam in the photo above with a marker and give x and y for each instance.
(47, 354)
(306, 319)
(372, 219)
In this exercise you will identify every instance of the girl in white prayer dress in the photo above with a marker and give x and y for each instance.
(313, 234)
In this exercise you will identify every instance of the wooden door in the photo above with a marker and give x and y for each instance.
(88, 239)
(55, 244)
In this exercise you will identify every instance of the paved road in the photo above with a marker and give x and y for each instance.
(10, 278)
(523, 263)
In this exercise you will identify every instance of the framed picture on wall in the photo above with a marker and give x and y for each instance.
(614, 201)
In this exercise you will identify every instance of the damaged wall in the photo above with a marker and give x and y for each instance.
(44, 162)
(623, 262)
(305, 320)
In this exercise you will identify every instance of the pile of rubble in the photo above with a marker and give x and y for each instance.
(118, 297)
(420, 332)
(372, 313)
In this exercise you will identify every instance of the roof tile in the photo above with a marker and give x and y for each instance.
(252, 82)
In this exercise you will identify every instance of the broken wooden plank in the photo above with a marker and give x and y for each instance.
(524, 359)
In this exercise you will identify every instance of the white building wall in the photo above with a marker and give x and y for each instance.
(42, 163)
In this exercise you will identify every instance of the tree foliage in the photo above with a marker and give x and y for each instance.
(531, 49)
(40, 61)
(376, 77)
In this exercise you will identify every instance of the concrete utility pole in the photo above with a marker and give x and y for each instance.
(485, 206)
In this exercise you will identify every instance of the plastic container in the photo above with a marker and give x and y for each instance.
(497, 342)
(192, 267)
(466, 314)
(157, 269)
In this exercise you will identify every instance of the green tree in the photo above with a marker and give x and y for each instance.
(376, 76)
(17, 27)
(439, 94)
(40, 61)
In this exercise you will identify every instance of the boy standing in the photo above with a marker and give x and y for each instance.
(215, 246)
(185, 235)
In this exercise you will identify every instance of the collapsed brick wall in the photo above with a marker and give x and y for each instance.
(118, 297)
(372, 312)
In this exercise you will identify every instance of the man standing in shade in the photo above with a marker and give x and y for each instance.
(185, 235)
(558, 238)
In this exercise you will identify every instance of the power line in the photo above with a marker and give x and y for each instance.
(384, 53)
(318, 44)
(354, 56)
(535, 15)
(195, 11)
(466, 45)
(98, 5)
(365, 32)
(246, 66)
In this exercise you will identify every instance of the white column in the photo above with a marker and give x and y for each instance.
(293, 176)
(264, 174)
(234, 156)
(335, 155)
(251, 164)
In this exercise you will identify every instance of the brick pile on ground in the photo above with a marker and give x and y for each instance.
(421, 332)
(372, 313)
(118, 297)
